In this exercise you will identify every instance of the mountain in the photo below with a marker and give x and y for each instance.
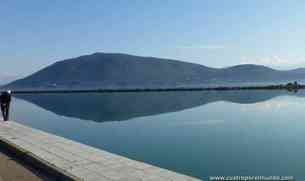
(259, 73)
(121, 71)
(299, 70)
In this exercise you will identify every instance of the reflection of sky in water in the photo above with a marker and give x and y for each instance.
(198, 123)
(276, 103)
(219, 138)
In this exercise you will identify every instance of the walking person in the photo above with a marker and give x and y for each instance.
(5, 99)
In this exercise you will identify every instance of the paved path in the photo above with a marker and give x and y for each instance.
(12, 169)
(79, 161)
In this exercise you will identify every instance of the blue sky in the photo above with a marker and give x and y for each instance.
(216, 33)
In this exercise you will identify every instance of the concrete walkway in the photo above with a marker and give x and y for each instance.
(78, 161)
(12, 169)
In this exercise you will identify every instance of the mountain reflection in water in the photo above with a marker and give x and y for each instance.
(102, 107)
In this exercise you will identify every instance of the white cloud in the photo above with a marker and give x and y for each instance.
(204, 47)
(274, 61)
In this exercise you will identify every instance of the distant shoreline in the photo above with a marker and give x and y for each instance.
(288, 87)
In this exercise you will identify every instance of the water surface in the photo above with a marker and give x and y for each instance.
(196, 133)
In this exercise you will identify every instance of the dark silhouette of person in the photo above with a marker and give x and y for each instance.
(5, 99)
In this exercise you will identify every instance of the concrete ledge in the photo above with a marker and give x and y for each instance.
(69, 160)
(36, 162)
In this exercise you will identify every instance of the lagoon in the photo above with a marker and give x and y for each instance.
(197, 133)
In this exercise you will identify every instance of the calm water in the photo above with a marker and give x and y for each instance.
(196, 133)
